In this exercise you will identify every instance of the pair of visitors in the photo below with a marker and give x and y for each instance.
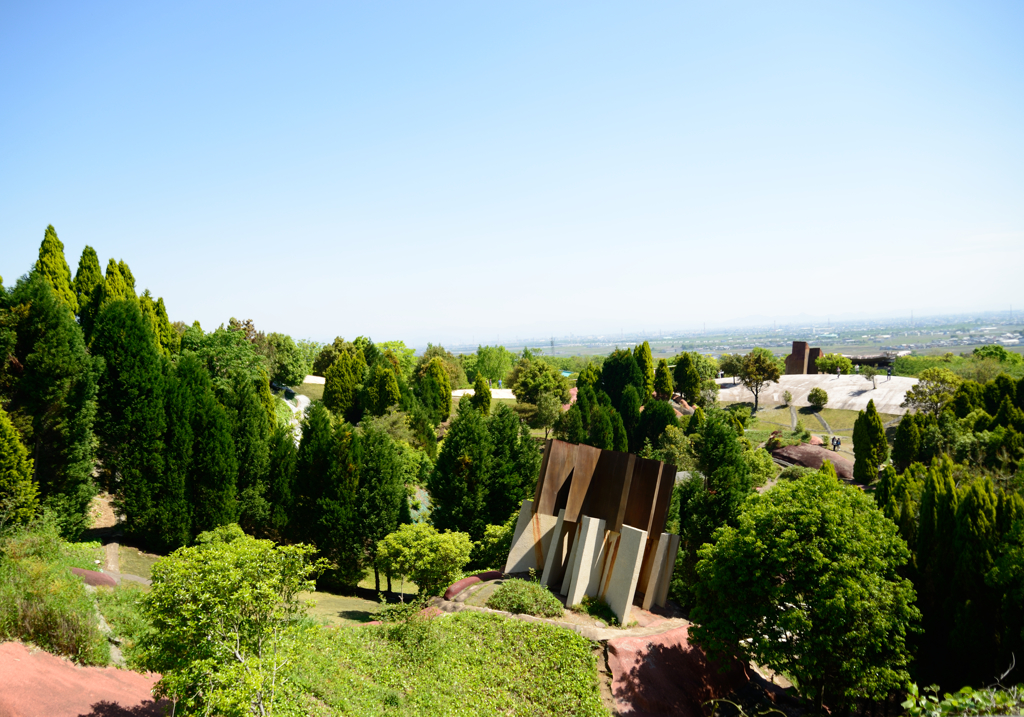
(836, 443)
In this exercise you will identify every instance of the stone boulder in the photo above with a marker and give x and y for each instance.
(810, 456)
(91, 577)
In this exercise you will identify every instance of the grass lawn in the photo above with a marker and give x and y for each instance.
(135, 562)
(462, 664)
(495, 402)
(839, 420)
(315, 391)
(341, 609)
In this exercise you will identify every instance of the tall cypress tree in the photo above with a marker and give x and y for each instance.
(57, 390)
(88, 289)
(129, 278)
(602, 434)
(169, 338)
(620, 369)
(131, 419)
(114, 286)
(458, 484)
(687, 379)
(341, 380)
(18, 492)
(514, 465)
(214, 472)
(645, 362)
(663, 380)
(381, 491)
(481, 398)
(629, 409)
(281, 479)
(53, 267)
(171, 527)
(251, 433)
(435, 389)
(870, 448)
(570, 426)
(388, 393)
(620, 437)
(907, 444)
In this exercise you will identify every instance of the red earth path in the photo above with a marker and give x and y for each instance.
(34, 683)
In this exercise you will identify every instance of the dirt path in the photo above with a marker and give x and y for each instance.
(792, 417)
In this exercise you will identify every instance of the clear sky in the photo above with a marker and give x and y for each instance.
(482, 170)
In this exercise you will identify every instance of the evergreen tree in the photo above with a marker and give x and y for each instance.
(169, 338)
(280, 479)
(645, 362)
(570, 426)
(171, 526)
(687, 379)
(696, 423)
(55, 395)
(620, 438)
(620, 369)
(515, 465)
(381, 491)
(18, 492)
(602, 435)
(481, 398)
(341, 382)
(663, 380)
(129, 278)
(458, 484)
(53, 267)
(870, 448)
(435, 390)
(114, 286)
(657, 416)
(629, 410)
(251, 429)
(589, 376)
(388, 393)
(88, 289)
(907, 444)
(130, 424)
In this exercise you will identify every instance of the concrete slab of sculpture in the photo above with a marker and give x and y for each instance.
(588, 525)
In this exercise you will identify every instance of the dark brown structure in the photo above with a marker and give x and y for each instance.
(803, 359)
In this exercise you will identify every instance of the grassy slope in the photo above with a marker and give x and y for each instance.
(462, 664)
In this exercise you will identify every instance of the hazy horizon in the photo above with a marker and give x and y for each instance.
(472, 174)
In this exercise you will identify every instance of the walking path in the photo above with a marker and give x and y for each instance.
(504, 393)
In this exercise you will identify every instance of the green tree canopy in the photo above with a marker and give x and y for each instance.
(514, 465)
(381, 491)
(53, 267)
(808, 583)
(435, 390)
(645, 362)
(433, 560)
(663, 380)
(935, 388)
(481, 398)
(828, 363)
(494, 362)
(531, 379)
(656, 417)
(18, 492)
(817, 397)
(870, 448)
(759, 369)
(88, 288)
(459, 482)
(687, 380)
(620, 369)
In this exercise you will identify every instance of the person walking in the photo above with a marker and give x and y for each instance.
(888, 373)
(839, 443)
(839, 371)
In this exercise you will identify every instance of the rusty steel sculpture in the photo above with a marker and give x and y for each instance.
(595, 527)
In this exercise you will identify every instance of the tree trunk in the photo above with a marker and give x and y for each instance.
(389, 584)
(376, 578)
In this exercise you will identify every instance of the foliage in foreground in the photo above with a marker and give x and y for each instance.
(42, 602)
(525, 597)
(433, 560)
(808, 584)
(467, 663)
(966, 702)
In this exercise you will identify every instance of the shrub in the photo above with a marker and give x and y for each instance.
(42, 602)
(817, 397)
(787, 397)
(491, 552)
(596, 607)
(526, 597)
(795, 473)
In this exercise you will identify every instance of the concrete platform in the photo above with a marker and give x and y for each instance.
(844, 392)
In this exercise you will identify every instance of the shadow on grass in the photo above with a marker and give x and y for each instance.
(146, 709)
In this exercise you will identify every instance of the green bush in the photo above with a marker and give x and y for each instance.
(42, 602)
(817, 397)
(525, 597)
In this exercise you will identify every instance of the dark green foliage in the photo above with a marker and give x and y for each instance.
(620, 369)
(870, 448)
(88, 289)
(115, 288)
(435, 390)
(381, 490)
(342, 380)
(525, 597)
(171, 525)
(532, 379)
(663, 380)
(481, 398)
(280, 479)
(601, 432)
(18, 492)
(325, 497)
(226, 354)
(251, 429)
(645, 362)
(129, 278)
(589, 376)
(629, 409)
(452, 366)
(459, 483)
(907, 444)
(620, 439)
(514, 465)
(287, 366)
(817, 397)
(656, 417)
(131, 420)
(759, 368)
(570, 426)
(696, 422)
(56, 395)
(52, 266)
(388, 393)
(214, 466)
(969, 395)
(815, 560)
(687, 380)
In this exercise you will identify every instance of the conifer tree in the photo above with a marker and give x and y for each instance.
(130, 424)
(663, 380)
(169, 338)
(129, 278)
(481, 398)
(251, 433)
(56, 392)
(18, 492)
(645, 362)
(171, 524)
(602, 435)
(657, 416)
(589, 376)
(281, 479)
(340, 384)
(907, 444)
(53, 267)
(687, 379)
(620, 438)
(214, 467)
(514, 465)
(114, 286)
(381, 491)
(870, 448)
(88, 277)
(570, 426)
(435, 390)
(388, 392)
(620, 369)
(629, 410)
(696, 422)
(458, 483)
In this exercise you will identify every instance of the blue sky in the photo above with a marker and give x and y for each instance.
(481, 171)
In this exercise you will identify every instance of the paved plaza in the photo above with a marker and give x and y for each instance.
(847, 392)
